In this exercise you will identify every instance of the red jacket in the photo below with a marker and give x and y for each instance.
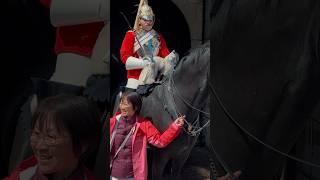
(79, 39)
(127, 51)
(145, 133)
(31, 162)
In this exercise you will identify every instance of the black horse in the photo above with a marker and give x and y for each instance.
(265, 71)
(184, 91)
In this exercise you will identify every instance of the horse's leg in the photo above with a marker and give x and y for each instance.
(197, 165)
(183, 156)
(160, 159)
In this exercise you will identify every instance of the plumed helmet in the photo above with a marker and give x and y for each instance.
(145, 12)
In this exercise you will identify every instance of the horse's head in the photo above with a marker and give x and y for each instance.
(184, 89)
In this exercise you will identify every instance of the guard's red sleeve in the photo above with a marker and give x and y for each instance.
(126, 49)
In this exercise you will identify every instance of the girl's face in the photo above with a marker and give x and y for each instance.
(53, 149)
(126, 108)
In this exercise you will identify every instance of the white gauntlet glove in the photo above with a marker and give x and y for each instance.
(146, 58)
(172, 57)
(147, 61)
(136, 63)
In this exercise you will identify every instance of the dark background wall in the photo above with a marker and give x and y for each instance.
(27, 39)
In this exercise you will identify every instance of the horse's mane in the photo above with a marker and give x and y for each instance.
(194, 54)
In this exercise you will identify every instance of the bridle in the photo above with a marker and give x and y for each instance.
(193, 128)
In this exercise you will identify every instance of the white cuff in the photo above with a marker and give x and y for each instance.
(134, 63)
(171, 56)
(133, 83)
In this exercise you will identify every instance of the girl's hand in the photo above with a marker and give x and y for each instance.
(180, 121)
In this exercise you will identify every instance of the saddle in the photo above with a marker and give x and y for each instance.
(146, 89)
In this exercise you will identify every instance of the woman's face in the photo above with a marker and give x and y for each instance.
(126, 108)
(146, 24)
(53, 149)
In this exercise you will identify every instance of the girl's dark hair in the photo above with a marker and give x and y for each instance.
(75, 114)
(135, 99)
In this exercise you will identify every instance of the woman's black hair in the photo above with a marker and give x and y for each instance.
(135, 99)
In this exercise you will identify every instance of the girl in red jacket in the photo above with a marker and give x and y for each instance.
(129, 135)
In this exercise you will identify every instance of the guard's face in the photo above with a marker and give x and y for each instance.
(53, 150)
(146, 24)
(126, 108)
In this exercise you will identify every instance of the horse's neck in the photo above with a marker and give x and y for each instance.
(187, 82)
(188, 88)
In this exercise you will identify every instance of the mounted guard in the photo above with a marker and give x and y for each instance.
(144, 51)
